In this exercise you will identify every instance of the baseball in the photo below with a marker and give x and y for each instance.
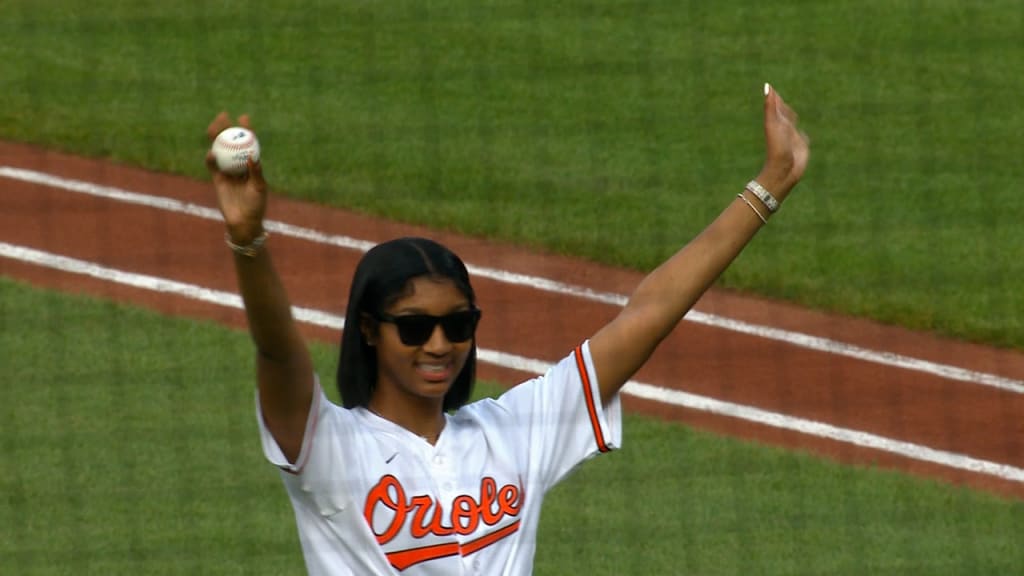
(233, 147)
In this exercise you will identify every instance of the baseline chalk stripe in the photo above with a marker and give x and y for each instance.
(531, 365)
(172, 205)
(826, 431)
(153, 283)
(792, 338)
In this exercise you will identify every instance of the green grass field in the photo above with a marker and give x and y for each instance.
(612, 131)
(130, 447)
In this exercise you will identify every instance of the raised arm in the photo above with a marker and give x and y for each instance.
(284, 367)
(661, 300)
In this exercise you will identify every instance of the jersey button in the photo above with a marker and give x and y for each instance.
(438, 460)
(447, 486)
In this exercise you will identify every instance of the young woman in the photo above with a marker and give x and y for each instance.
(406, 477)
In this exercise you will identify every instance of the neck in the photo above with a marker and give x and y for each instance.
(425, 420)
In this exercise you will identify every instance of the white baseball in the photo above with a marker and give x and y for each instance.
(233, 147)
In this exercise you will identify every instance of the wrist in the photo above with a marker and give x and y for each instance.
(244, 235)
(775, 185)
(759, 192)
(250, 250)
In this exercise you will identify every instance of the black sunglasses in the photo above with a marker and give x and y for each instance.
(416, 329)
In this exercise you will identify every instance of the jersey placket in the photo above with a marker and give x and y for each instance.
(447, 488)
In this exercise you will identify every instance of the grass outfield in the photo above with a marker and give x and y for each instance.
(130, 447)
(614, 131)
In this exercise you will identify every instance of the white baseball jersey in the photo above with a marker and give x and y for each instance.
(370, 497)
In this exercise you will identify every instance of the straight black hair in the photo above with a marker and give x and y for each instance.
(381, 278)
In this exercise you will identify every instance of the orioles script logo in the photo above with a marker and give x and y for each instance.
(424, 516)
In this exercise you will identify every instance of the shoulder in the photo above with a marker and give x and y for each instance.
(478, 412)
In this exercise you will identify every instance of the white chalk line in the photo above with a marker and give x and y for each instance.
(790, 337)
(531, 365)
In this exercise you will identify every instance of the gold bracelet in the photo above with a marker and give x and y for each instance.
(752, 207)
(250, 251)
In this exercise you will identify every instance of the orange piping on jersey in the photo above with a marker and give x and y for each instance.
(405, 558)
(588, 394)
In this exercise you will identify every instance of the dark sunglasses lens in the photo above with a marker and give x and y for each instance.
(415, 330)
(460, 326)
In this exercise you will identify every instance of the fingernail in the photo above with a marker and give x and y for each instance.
(767, 88)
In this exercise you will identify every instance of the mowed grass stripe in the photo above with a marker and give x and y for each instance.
(613, 131)
(131, 447)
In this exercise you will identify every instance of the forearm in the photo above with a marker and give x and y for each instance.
(284, 368)
(668, 292)
(267, 308)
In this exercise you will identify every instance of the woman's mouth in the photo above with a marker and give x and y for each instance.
(434, 371)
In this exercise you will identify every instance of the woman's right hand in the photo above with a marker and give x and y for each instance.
(242, 199)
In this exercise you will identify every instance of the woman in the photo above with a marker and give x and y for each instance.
(406, 477)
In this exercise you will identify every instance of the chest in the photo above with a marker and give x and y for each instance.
(462, 498)
(451, 489)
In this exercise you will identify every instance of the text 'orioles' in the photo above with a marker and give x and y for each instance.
(465, 517)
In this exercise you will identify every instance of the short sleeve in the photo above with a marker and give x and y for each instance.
(561, 417)
(317, 475)
(318, 413)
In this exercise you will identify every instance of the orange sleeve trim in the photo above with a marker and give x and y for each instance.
(406, 558)
(588, 395)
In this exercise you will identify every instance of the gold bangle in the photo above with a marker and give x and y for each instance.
(752, 207)
(252, 249)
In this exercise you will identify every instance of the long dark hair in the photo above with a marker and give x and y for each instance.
(381, 278)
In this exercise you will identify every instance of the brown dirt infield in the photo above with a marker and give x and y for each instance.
(897, 403)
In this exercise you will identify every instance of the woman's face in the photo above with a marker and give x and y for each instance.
(427, 370)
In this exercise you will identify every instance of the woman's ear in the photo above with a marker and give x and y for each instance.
(370, 329)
